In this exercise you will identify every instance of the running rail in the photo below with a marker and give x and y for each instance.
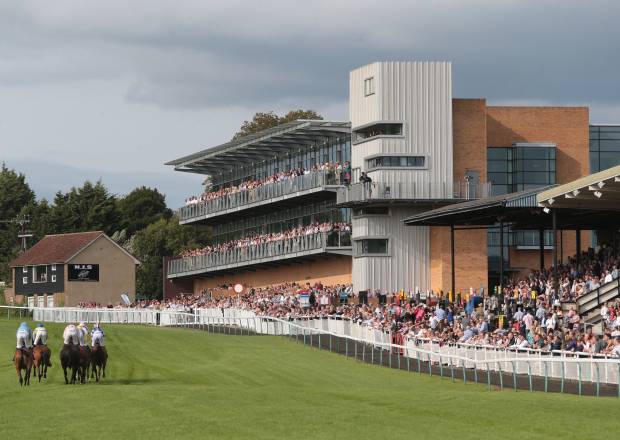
(501, 367)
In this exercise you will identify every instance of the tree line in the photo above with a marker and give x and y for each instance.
(139, 221)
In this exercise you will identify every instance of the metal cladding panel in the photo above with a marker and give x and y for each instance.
(418, 94)
(407, 265)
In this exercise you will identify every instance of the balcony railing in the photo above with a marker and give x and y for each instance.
(361, 192)
(246, 198)
(263, 252)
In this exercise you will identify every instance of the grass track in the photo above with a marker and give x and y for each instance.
(175, 383)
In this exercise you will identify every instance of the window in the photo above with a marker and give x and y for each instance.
(53, 268)
(39, 274)
(25, 280)
(371, 210)
(378, 130)
(371, 246)
(53, 278)
(369, 86)
(396, 161)
(24, 269)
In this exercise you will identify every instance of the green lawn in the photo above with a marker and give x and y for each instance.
(174, 383)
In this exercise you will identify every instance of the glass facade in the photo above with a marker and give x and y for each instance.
(514, 169)
(604, 147)
(332, 150)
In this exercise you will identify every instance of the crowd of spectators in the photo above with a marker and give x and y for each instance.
(245, 242)
(341, 173)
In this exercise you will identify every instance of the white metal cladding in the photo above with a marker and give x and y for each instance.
(407, 265)
(420, 95)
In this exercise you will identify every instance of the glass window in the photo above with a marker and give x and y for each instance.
(377, 130)
(396, 161)
(497, 166)
(609, 145)
(371, 246)
(496, 154)
(39, 274)
(608, 159)
(369, 86)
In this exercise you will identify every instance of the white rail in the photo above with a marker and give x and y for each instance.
(554, 365)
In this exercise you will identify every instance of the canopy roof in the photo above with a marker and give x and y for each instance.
(288, 137)
(521, 210)
(598, 191)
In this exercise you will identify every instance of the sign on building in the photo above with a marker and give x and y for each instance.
(83, 272)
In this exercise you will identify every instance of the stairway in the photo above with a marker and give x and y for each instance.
(589, 305)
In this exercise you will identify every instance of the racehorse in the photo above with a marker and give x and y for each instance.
(99, 359)
(42, 356)
(23, 361)
(84, 363)
(70, 358)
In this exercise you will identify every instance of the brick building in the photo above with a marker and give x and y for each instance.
(422, 149)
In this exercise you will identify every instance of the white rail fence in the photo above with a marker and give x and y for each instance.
(569, 366)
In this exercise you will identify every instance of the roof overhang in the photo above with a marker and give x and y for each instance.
(598, 191)
(284, 138)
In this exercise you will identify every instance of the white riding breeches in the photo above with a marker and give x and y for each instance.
(24, 340)
(40, 336)
(97, 337)
(71, 337)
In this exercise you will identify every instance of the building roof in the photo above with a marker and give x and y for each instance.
(481, 212)
(61, 248)
(599, 191)
(254, 147)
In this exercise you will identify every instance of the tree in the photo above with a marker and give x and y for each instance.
(264, 120)
(164, 238)
(15, 196)
(140, 208)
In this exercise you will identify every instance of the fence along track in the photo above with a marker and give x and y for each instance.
(563, 372)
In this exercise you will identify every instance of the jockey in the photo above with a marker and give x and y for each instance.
(82, 332)
(97, 336)
(70, 335)
(40, 335)
(24, 336)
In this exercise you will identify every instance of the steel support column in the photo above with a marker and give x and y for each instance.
(452, 268)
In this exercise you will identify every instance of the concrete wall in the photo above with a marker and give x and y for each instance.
(117, 275)
(329, 270)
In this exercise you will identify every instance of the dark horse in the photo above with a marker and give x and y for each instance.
(42, 359)
(84, 363)
(23, 361)
(70, 358)
(99, 359)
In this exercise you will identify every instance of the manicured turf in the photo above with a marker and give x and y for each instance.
(175, 383)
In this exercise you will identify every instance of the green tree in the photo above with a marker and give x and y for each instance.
(263, 120)
(164, 238)
(15, 196)
(140, 208)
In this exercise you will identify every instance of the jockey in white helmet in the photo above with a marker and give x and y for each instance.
(97, 336)
(40, 335)
(24, 336)
(70, 335)
(82, 332)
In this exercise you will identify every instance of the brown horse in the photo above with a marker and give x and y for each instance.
(23, 361)
(42, 356)
(84, 363)
(70, 358)
(99, 359)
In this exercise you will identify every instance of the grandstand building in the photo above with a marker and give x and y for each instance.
(409, 147)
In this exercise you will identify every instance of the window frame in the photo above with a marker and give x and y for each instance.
(356, 141)
(369, 86)
(24, 280)
(35, 274)
(396, 167)
(358, 240)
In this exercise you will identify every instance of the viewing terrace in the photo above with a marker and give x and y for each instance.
(263, 253)
(301, 144)
(361, 193)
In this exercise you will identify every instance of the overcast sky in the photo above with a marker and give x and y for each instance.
(113, 89)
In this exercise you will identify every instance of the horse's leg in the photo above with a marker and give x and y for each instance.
(19, 375)
(64, 369)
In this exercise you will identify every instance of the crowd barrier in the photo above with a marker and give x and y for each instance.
(564, 366)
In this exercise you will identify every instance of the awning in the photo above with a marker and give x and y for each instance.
(284, 138)
(598, 191)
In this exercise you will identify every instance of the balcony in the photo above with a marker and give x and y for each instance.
(295, 247)
(301, 186)
(360, 193)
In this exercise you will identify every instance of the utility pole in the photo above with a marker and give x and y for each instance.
(23, 233)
